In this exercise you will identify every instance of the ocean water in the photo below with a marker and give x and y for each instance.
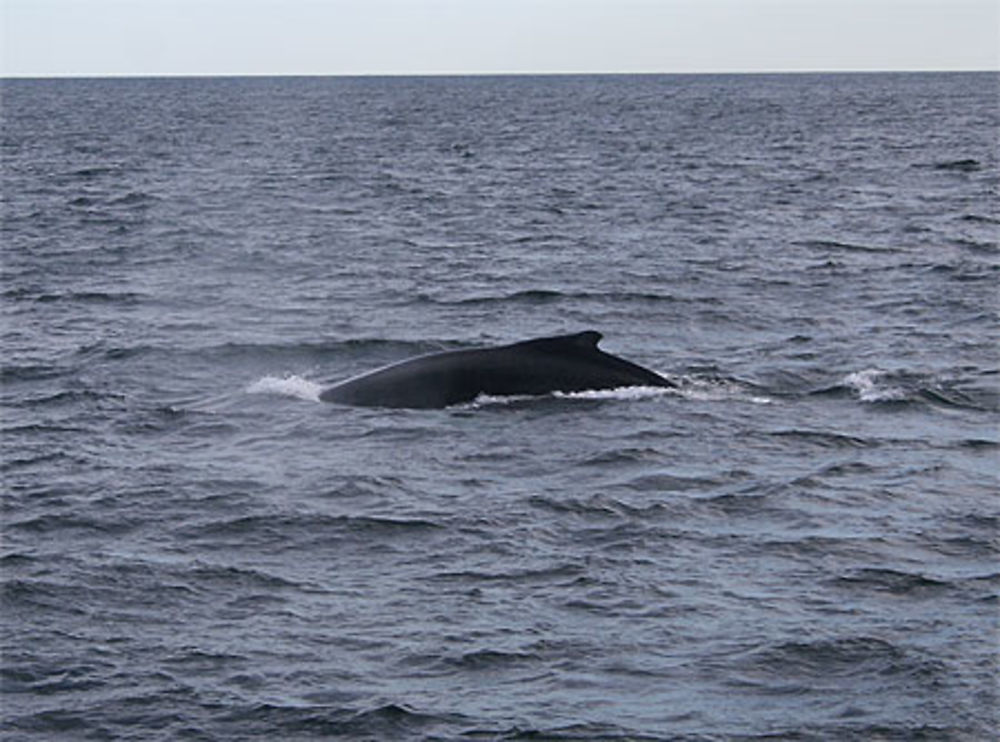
(799, 542)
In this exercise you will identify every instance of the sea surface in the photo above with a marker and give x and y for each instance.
(799, 542)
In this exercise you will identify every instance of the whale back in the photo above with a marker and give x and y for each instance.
(565, 363)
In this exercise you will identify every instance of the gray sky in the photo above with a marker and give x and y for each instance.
(157, 37)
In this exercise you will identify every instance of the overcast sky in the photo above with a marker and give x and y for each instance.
(185, 37)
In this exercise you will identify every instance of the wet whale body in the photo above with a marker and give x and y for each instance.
(567, 363)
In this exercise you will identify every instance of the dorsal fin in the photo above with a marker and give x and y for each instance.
(580, 341)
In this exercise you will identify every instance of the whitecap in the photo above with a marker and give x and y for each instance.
(870, 386)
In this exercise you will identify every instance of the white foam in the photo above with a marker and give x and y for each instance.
(716, 390)
(699, 390)
(869, 384)
(288, 386)
(624, 393)
(484, 400)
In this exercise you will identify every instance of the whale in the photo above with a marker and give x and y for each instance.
(542, 366)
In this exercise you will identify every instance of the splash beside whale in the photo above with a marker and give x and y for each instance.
(566, 363)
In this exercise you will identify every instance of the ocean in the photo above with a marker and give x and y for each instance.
(798, 542)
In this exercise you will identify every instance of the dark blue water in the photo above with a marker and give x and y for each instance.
(799, 542)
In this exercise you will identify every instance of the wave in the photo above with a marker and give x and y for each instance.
(875, 385)
(980, 218)
(133, 198)
(598, 505)
(964, 165)
(228, 578)
(482, 660)
(900, 388)
(71, 397)
(827, 245)
(713, 387)
(664, 482)
(52, 523)
(620, 456)
(825, 439)
(586, 730)
(287, 386)
(981, 248)
(88, 297)
(982, 400)
(293, 529)
(799, 665)
(892, 581)
(977, 444)
(30, 372)
(387, 721)
(47, 459)
(203, 720)
(549, 296)
(567, 571)
(94, 172)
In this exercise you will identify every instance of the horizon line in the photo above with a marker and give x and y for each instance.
(548, 73)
